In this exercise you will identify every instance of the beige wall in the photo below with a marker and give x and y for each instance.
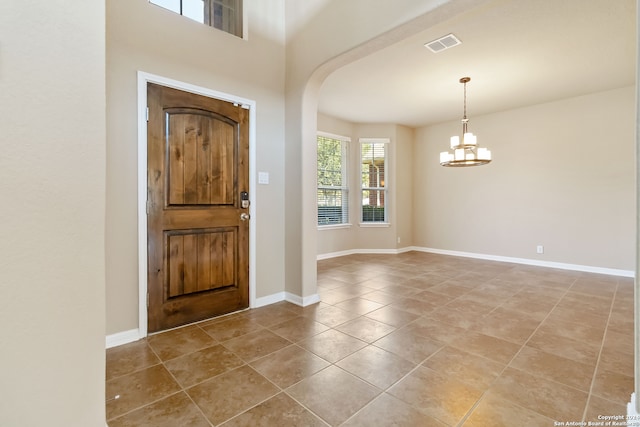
(399, 204)
(563, 176)
(144, 37)
(52, 107)
(406, 186)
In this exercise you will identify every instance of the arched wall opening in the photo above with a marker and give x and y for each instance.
(302, 94)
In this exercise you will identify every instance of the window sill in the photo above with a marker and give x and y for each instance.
(374, 224)
(333, 227)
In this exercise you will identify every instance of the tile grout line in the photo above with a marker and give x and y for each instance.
(595, 370)
(475, 405)
(386, 390)
(482, 394)
(145, 405)
(383, 391)
(302, 404)
(182, 388)
(245, 363)
(284, 390)
(334, 364)
(161, 362)
(420, 364)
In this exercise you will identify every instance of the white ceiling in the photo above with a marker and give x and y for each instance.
(517, 53)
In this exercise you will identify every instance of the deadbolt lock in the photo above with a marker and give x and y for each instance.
(244, 200)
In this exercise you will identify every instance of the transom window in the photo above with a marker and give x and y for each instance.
(225, 15)
(373, 160)
(333, 190)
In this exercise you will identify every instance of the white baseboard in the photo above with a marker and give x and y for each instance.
(335, 254)
(632, 409)
(269, 299)
(535, 262)
(287, 296)
(364, 251)
(302, 302)
(124, 337)
(539, 263)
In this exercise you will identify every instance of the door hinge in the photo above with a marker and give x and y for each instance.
(147, 299)
(148, 206)
(147, 113)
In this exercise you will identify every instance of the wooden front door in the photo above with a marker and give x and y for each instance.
(198, 228)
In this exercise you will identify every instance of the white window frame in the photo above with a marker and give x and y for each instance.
(384, 188)
(345, 142)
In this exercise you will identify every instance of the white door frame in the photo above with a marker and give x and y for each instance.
(143, 79)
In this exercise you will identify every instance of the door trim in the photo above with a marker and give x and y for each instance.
(143, 79)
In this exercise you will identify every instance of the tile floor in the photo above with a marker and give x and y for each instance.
(413, 339)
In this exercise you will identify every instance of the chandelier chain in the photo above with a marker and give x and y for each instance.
(464, 113)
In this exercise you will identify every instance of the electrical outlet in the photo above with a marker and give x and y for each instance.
(398, 239)
(540, 249)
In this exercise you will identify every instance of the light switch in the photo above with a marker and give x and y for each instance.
(263, 177)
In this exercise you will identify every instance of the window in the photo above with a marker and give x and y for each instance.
(373, 159)
(225, 15)
(333, 191)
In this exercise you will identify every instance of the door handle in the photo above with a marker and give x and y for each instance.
(244, 216)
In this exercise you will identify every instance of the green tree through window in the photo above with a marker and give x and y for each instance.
(333, 193)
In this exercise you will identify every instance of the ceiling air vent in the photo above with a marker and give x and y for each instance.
(443, 43)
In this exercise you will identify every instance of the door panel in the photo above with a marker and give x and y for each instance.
(200, 260)
(200, 159)
(197, 242)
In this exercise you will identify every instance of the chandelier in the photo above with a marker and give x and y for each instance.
(465, 152)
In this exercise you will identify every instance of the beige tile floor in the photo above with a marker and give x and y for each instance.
(406, 340)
